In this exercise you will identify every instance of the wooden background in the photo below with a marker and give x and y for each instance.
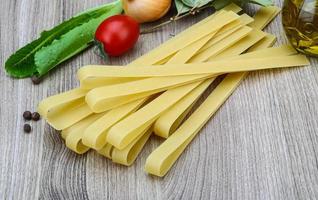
(262, 144)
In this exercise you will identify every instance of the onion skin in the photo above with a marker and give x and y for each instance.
(146, 10)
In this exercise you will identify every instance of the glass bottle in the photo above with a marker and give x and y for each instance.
(300, 21)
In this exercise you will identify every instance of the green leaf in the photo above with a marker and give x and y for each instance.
(22, 63)
(70, 44)
(181, 7)
(262, 2)
(219, 4)
(196, 3)
(184, 6)
(258, 2)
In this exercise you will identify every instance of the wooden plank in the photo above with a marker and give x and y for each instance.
(262, 144)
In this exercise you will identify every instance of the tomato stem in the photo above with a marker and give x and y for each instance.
(99, 50)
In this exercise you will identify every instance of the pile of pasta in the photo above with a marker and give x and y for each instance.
(117, 108)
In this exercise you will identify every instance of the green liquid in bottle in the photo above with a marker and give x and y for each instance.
(300, 21)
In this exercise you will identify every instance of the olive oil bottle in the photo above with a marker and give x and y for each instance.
(300, 21)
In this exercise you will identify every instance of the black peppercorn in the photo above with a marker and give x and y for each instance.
(36, 80)
(27, 128)
(35, 116)
(27, 115)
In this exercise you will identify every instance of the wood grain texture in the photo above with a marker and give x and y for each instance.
(261, 144)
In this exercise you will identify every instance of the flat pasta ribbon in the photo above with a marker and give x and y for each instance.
(161, 160)
(73, 135)
(172, 118)
(128, 155)
(108, 97)
(92, 77)
(127, 130)
(95, 134)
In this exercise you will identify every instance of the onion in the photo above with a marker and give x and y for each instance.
(146, 10)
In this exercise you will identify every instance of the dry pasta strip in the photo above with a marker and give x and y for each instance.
(70, 116)
(108, 97)
(73, 135)
(90, 78)
(106, 151)
(164, 108)
(81, 115)
(177, 81)
(162, 159)
(62, 109)
(59, 122)
(76, 109)
(57, 101)
(241, 46)
(284, 50)
(238, 77)
(171, 120)
(263, 43)
(182, 56)
(211, 23)
(232, 7)
(211, 68)
(63, 121)
(185, 54)
(99, 101)
(218, 47)
(228, 30)
(127, 130)
(94, 80)
(112, 72)
(52, 104)
(128, 155)
(264, 16)
(95, 134)
(168, 121)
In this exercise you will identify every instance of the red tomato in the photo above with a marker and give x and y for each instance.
(117, 34)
